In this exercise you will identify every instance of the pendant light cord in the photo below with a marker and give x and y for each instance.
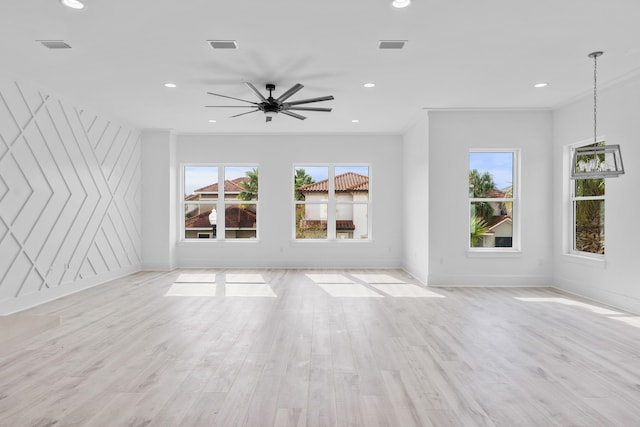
(595, 97)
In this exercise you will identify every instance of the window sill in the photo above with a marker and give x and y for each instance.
(494, 253)
(216, 241)
(590, 261)
(337, 242)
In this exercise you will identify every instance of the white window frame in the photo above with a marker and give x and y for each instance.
(220, 204)
(331, 204)
(516, 247)
(571, 231)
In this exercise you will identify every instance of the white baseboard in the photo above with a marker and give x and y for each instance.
(411, 270)
(599, 295)
(490, 281)
(157, 266)
(14, 305)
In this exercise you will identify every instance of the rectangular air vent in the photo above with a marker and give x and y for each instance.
(223, 44)
(54, 44)
(391, 44)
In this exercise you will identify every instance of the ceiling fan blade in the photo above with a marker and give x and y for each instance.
(269, 118)
(309, 109)
(256, 91)
(307, 101)
(289, 113)
(231, 106)
(231, 97)
(242, 114)
(296, 87)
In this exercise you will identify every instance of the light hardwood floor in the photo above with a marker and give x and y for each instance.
(320, 348)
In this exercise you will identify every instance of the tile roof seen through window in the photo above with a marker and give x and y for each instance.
(230, 186)
(496, 194)
(235, 217)
(346, 182)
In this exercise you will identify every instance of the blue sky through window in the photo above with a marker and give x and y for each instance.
(499, 165)
(319, 173)
(199, 176)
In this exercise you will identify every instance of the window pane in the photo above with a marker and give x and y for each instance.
(200, 183)
(310, 183)
(241, 182)
(240, 221)
(351, 183)
(589, 187)
(352, 221)
(200, 220)
(491, 175)
(491, 224)
(311, 221)
(589, 232)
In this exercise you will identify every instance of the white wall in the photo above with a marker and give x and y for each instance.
(451, 136)
(614, 281)
(69, 187)
(159, 200)
(416, 205)
(276, 155)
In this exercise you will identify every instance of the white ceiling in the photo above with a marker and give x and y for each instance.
(460, 54)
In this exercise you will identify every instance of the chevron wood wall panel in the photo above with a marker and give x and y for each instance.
(69, 195)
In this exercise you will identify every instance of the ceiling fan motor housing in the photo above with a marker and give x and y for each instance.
(271, 106)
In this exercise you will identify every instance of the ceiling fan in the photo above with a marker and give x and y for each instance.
(272, 106)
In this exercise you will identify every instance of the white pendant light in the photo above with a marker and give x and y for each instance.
(598, 160)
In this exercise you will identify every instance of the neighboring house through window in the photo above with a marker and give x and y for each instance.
(331, 202)
(204, 199)
(493, 199)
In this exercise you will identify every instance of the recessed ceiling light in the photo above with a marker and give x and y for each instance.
(355, 121)
(73, 4)
(399, 4)
(212, 121)
(541, 84)
(369, 85)
(171, 85)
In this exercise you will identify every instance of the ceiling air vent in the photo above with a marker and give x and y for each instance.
(391, 44)
(223, 44)
(54, 44)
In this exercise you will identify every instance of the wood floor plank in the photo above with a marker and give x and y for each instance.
(127, 353)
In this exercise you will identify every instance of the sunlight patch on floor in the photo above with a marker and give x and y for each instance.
(329, 278)
(244, 278)
(249, 290)
(196, 278)
(406, 290)
(349, 290)
(629, 320)
(566, 301)
(377, 278)
(192, 290)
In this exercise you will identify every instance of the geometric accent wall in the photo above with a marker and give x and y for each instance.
(69, 195)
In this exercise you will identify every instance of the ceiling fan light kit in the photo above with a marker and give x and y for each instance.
(271, 106)
(597, 160)
(73, 4)
(399, 4)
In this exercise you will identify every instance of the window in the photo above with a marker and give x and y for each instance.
(493, 199)
(331, 202)
(587, 206)
(203, 200)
